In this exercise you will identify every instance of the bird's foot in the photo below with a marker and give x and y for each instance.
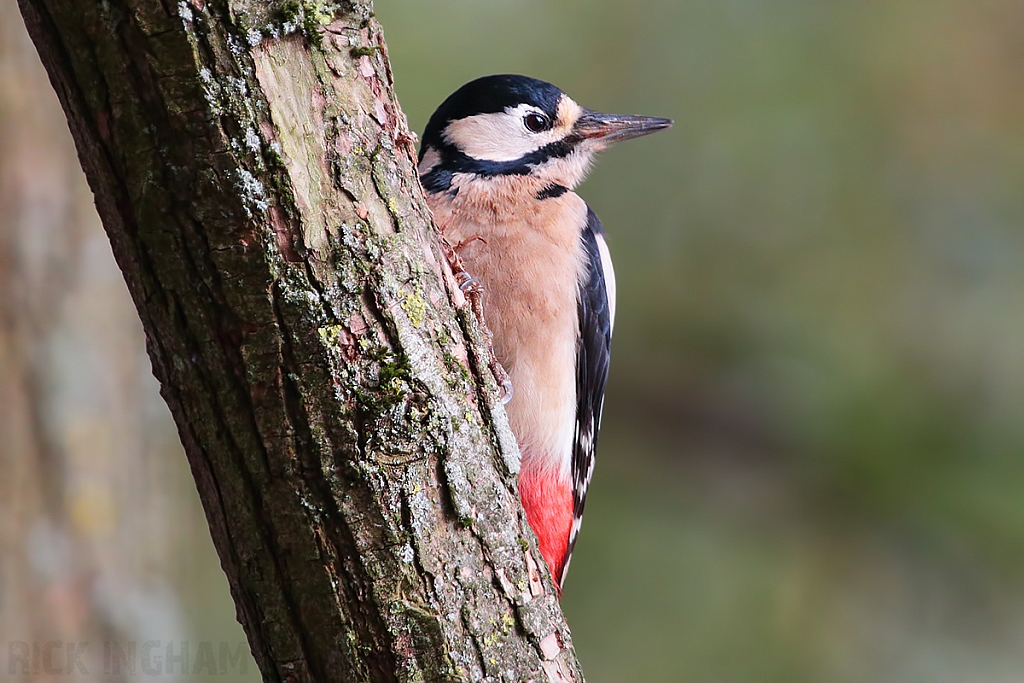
(474, 292)
(476, 237)
(503, 380)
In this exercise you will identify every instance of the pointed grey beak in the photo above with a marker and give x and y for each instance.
(611, 128)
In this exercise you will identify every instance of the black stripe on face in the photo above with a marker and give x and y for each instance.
(551, 191)
(457, 161)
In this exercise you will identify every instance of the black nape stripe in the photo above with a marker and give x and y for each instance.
(437, 180)
(551, 191)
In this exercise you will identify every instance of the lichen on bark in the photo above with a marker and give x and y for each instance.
(256, 178)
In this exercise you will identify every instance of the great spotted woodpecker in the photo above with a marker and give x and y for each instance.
(499, 161)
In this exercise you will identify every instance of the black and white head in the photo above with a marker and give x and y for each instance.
(513, 126)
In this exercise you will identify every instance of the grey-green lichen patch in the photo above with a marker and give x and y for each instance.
(458, 375)
(402, 421)
(415, 307)
(259, 21)
(336, 338)
(252, 192)
(185, 13)
(211, 91)
(310, 14)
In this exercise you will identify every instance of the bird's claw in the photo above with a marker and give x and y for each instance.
(503, 380)
(469, 284)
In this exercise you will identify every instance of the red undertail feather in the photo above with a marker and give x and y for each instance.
(548, 504)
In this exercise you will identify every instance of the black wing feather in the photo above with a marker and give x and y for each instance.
(592, 359)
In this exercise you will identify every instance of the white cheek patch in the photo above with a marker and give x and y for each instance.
(609, 276)
(500, 136)
(569, 170)
(431, 158)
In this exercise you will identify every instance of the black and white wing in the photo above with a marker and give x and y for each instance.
(593, 354)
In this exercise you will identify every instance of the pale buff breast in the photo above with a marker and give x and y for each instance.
(530, 268)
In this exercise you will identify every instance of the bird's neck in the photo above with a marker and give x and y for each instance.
(501, 199)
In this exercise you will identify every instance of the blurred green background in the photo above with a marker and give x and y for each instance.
(812, 462)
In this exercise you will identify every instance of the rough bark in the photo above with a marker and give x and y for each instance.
(256, 179)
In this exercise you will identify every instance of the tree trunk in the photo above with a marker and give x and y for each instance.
(256, 179)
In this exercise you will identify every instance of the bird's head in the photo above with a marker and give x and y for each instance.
(512, 126)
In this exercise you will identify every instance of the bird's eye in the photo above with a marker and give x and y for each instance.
(535, 122)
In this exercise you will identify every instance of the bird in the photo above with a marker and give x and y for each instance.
(499, 161)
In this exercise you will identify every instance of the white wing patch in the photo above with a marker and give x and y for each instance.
(609, 275)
